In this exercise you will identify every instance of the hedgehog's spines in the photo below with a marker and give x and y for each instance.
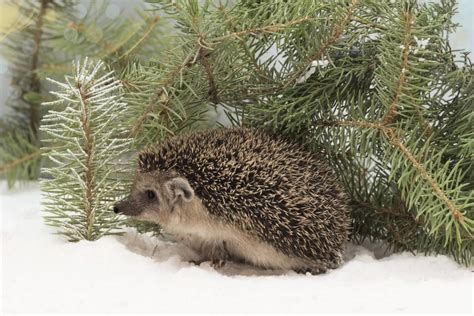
(264, 185)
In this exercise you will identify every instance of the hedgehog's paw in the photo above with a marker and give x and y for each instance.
(313, 271)
(219, 255)
(196, 262)
(218, 263)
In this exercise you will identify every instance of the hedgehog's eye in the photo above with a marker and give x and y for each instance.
(151, 194)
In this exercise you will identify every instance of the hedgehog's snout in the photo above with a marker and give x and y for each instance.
(124, 207)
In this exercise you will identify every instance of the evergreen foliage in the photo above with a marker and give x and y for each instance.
(85, 143)
(16, 144)
(23, 46)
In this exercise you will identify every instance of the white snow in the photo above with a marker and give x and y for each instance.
(422, 43)
(135, 273)
(322, 63)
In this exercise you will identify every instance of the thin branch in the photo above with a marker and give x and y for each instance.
(368, 23)
(427, 129)
(150, 28)
(16, 162)
(360, 124)
(335, 35)
(213, 92)
(35, 84)
(392, 110)
(384, 210)
(395, 141)
(389, 133)
(190, 60)
(259, 71)
(157, 98)
(397, 236)
(265, 29)
(87, 148)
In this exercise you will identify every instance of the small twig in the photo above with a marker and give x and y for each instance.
(35, 84)
(213, 92)
(16, 162)
(392, 110)
(390, 212)
(395, 141)
(384, 210)
(260, 72)
(427, 129)
(361, 124)
(368, 23)
(148, 109)
(265, 29)
(190, 60)
(87, 148)
(336, 33)
(397, 236)
(389, 133)
(154, 250)
(150, 28)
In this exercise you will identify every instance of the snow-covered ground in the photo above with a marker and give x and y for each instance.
(134, 273)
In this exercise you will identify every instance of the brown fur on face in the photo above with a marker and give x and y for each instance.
(155, 196)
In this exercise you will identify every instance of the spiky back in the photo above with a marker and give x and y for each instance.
(271, 188)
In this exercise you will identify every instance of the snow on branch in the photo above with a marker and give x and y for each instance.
(85, 142)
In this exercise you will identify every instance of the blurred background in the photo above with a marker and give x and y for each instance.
(8, 15)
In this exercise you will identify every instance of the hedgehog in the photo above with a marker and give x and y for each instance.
(243, 195)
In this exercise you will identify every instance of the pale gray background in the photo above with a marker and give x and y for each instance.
(463, 39)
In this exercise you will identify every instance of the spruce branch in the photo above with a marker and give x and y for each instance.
(16, 162)
(260, 71)
(391, 137)
(335, 34)
(151, 26)
(159, 96)
(392, 110)
(20, 158)
(24, 49)
(272, 28)
(35, 85)
(87, 141)
(425, 174)
(213, 92)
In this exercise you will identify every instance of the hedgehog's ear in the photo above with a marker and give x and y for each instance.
(179, 187)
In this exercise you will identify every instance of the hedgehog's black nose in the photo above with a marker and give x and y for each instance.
(116, 210)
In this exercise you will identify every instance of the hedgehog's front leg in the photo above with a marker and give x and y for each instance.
(215, 252)
(312, 270)
(219, 255)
